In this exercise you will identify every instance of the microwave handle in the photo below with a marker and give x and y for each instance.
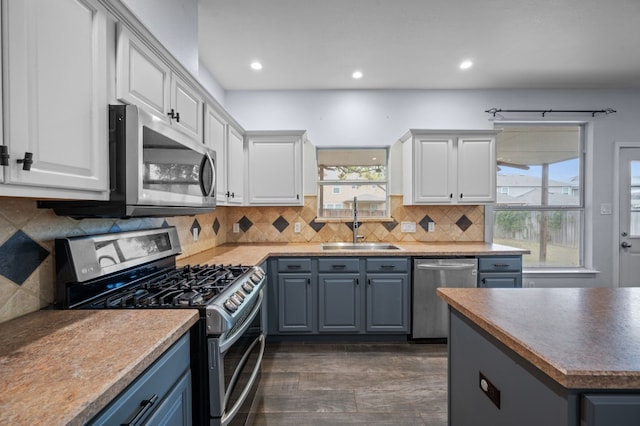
(207, 158)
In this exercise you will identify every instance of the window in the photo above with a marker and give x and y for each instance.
(348, 173)
(542, 208)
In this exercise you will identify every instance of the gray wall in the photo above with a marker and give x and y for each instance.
(370, 117)
(175, 25)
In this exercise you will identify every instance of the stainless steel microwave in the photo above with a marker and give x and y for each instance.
(154, 170)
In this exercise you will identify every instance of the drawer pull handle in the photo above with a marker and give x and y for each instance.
(489, 389)
(293, 266)
(338, 266)
(387, 266)
(145, 405)
(500, 265)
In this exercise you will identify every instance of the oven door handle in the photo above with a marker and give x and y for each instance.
(227, 416)
(230, 340)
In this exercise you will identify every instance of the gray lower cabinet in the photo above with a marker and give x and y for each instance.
(341, 295)
(491, 385)
(388, 287)
(160, 396)
(499, 271)
(295, 296)
(339, 303)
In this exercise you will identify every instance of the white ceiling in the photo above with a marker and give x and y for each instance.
(418, 44)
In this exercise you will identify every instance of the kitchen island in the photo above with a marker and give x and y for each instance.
(544, 356)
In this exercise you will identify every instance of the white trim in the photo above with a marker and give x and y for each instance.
(616, 208)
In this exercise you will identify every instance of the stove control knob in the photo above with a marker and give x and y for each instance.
(236, 300)
(230, 306)
(247, 286)
(240, 295)
(255, 278)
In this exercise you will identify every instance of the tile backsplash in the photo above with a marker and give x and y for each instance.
(27, 265)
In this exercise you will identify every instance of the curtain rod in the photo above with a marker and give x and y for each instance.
(593, 113)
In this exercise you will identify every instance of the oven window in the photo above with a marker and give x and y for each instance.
(170, 166)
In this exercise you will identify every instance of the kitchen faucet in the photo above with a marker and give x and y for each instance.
(355, 221)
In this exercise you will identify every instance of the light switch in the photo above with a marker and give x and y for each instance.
(236, 228)
(605, 208)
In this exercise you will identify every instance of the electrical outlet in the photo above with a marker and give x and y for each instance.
(195, 234)
(605, 208)
(296, 227)
(236, 228)
(407, 227)
(432, 227)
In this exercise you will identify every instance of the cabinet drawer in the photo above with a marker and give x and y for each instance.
(495, 263)
(387, 264)
(155, 383)
(294, 265)
(338, 264)
(499, 280)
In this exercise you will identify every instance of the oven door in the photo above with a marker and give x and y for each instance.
(235, 370)
(174, 169)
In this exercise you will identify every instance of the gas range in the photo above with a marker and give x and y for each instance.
(137, 270)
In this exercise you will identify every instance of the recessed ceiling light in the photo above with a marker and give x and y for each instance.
(357, 74)
(255, 65)
(465, 65)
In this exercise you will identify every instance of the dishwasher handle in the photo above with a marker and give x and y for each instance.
(450, 266)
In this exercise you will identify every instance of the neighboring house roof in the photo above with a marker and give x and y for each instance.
(532, 181)
(533, 197)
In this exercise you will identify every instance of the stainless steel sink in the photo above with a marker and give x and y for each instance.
(359, 246)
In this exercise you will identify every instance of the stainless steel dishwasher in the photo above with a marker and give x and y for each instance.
(430, 314)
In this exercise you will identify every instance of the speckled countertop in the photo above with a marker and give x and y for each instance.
(256, 253)
(580, 337)
(63, 367)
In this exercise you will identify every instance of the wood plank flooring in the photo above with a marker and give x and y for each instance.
(354, 384)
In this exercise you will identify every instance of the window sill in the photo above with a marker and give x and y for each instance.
(559, 272)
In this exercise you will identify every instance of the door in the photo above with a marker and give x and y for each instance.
(294, 303)
(339, 302)
(629, 216)
(235, 167)
(476, 169)
(215, 138)
(55, 93)
(387, 302)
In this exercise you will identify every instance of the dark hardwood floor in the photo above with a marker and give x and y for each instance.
(354, 383)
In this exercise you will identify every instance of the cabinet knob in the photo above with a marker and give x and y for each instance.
(27, 161)
(173, 114)
(4, 155)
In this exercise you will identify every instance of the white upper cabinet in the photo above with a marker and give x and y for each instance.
(215, 137)
(145, 80)
(54, 56)
(449, 167)
(235, 166)
(275, 167)
(476, 169)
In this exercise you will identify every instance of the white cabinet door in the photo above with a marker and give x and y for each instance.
(215, 137)
(476, 169)
(275, 168)
(142, 79)
(55, 95)
(433, 170)
(188, 105)
(235, 166)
